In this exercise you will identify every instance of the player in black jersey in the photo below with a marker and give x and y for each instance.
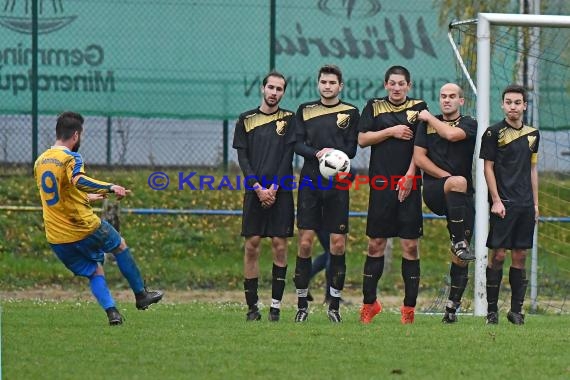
(388, 125)
(264, 138)
(444, 149)
(324, 124)
(510, 151)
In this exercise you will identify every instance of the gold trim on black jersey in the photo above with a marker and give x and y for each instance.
(509, 134)
(258, 119)
(412, 116)
(531, 142)
(383, 106)
(342, 120)
(315, 110)
(453, 123)
(280, 127)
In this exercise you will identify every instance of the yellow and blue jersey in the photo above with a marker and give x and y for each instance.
(63, 186)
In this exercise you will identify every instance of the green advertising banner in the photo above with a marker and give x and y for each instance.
(364, 39)
(205, 59)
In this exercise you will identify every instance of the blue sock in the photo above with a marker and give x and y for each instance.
(101, 291)
(130, 271)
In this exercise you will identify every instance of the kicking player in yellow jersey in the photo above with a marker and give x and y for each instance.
(77, 236)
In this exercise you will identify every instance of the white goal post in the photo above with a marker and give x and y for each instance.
(484, 23)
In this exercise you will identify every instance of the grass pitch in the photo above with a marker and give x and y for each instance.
(208, 340)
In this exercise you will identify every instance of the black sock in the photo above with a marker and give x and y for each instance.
(494, 278)
(301, 280)
(411, 276)
(518, 282)
(459, 277)
(278, 282)
(469, 217)
(338, 272)
(328, 280)
(250, 288)
(373, 269)
(456, 202)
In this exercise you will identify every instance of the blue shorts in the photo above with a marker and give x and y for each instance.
(82, 257)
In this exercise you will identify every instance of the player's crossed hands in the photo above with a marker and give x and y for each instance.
(402, 132)
(266, 196)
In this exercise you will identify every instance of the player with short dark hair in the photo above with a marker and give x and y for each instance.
(264, 139)
(444, 147)
(510, 151)
(322, 125)
(77, 236)
(388, 125)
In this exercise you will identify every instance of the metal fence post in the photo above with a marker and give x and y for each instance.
(226, 145)
(534, 273)
(109, 128)
(34, 81)
(272, 23)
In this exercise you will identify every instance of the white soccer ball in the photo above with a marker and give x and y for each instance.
(333, 162)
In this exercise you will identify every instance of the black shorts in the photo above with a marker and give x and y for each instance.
(388, 217)
(515, 231)
(319, 209)
(434, 198)
(276, 221)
